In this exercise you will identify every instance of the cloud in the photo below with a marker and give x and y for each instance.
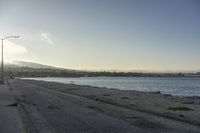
(12, 49)
(46, 36)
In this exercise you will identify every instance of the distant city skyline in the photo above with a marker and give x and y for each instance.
(126, 35)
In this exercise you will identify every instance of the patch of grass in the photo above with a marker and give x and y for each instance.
(53, 107)
(132, 105)
(132, 117)
(179, 109)
(14, 104)
(95, 108)
(124, 98)
(106, 94)
(91, 96)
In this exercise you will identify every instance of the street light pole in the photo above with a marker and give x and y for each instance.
(2, 61)
(2, 71)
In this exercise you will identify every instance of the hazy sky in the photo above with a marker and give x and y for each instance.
(104, 34)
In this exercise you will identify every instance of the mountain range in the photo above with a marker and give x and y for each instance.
(19, 64)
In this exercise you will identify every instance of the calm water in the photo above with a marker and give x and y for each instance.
(189, 86)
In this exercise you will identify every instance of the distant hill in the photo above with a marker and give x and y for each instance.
(18, 64)
(31, 69)
(26, 64)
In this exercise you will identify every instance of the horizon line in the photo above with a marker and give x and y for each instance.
(9, 61)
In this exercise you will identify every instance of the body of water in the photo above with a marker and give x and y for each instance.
(187, 86)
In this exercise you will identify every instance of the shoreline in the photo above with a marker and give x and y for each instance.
(183, 108)
(54, 107)
(115, 88)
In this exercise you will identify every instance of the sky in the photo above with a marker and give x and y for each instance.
(125, 35)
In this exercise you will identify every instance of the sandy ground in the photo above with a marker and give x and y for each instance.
(46, 107)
